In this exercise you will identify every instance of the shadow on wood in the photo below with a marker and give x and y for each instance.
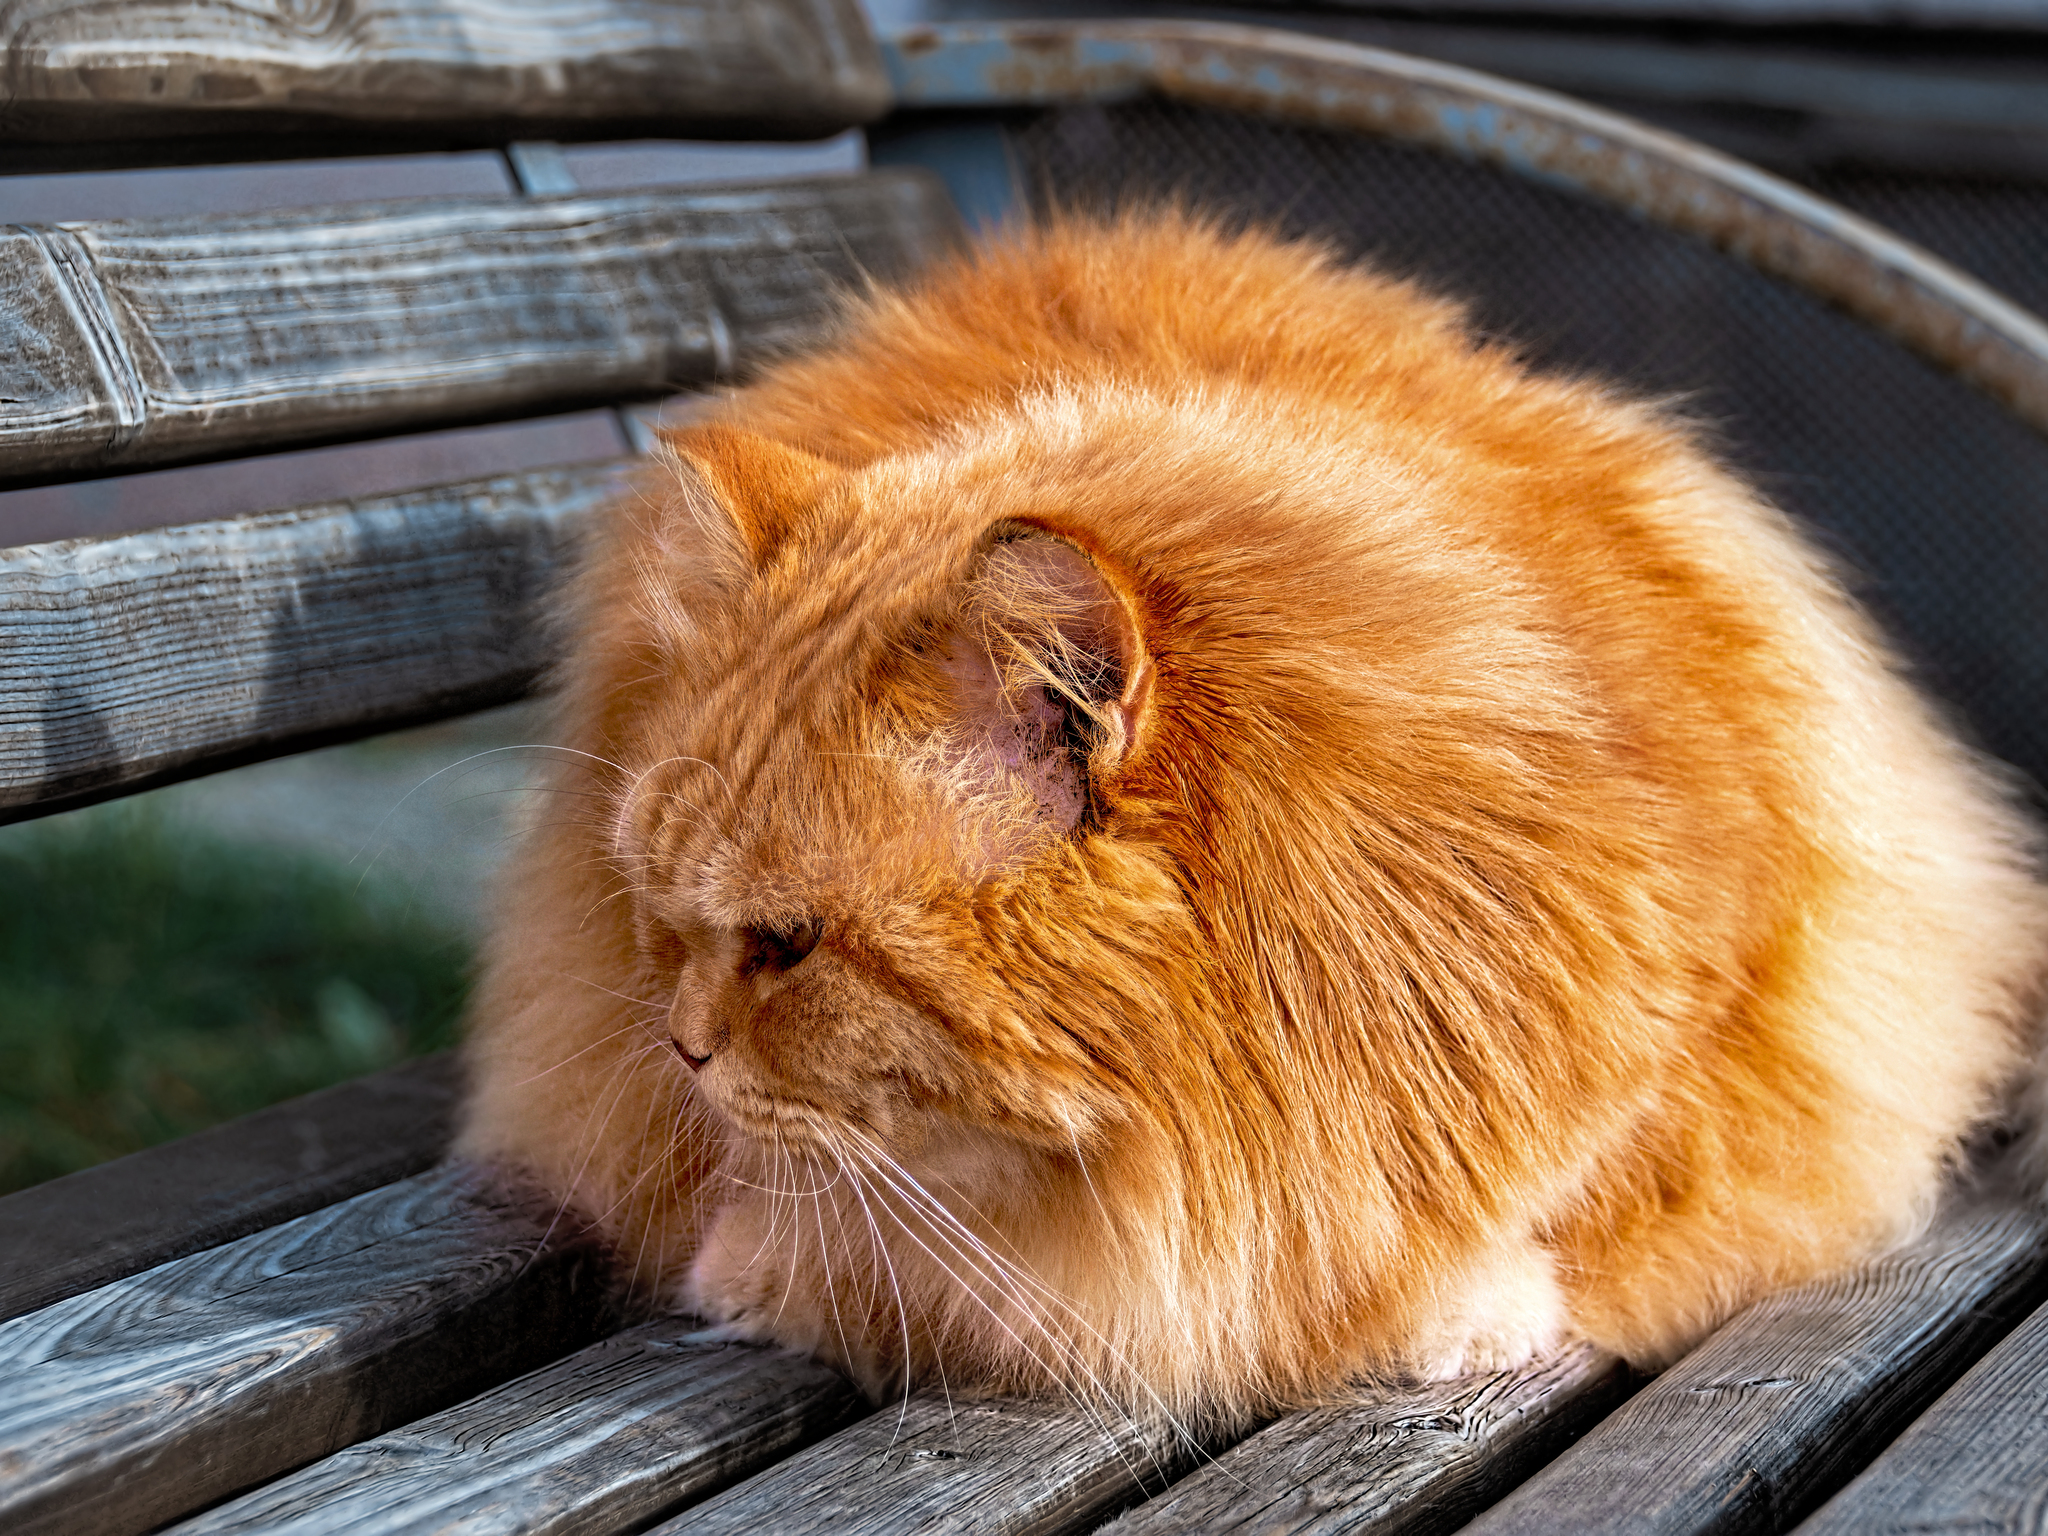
(158, 1394)
(145, 1209)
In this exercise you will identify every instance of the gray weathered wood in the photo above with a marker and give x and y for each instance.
(1395, 1460)
(128, 661)
(993, 1467)
(155, 1395)
(1773, 1413)
(150, 340)
(790, 68)
(1975, 1461)
(135, 1212)
(603, 1441)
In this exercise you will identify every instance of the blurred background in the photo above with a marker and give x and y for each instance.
(179, 957)
(192, 953)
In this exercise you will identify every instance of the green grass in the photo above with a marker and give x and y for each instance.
(156, 979)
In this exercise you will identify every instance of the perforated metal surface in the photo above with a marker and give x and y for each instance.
(1933, 498)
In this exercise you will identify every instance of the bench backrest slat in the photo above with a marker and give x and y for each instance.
(135, 659)
(149, 340)
(84, 70)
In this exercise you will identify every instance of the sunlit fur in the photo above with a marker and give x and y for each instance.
(1509, 895)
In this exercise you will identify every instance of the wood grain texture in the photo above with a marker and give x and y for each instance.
(1777, 1410)
(1395, 1460)
(787, 68)
(1975, 1461)
(136, 1212)
(143, 341)
(155, 1395)
(603, 1441)
(128, 661)
(995, 1467)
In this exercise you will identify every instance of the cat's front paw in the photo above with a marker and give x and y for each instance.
(1486, 1350)
(750, 1288)
(1509, 1312)
(736, 1284)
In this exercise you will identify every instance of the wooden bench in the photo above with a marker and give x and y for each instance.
(306, 1320)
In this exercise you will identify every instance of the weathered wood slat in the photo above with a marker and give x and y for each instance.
(790, 68)
(1773, 1413)
(603, 1441)
(155, 1395)
(1975, 1461)
(149, 340)
(132, 660)
(136, 1212)
(995, 1467)
(1397, 1460)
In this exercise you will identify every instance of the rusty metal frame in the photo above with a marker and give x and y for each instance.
(1947, 317)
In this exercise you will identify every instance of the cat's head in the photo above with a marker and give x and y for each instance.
(870, 815)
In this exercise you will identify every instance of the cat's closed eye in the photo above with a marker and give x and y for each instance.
(780, 948)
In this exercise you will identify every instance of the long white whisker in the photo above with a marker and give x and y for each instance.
(625, 1028)
(1019, 1282)
(881, 1249)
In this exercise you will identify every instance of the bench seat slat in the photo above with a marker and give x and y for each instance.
(1777, 1409)
(602, 1441)
(1398, 1459)
(152, 340)
(131, 1214)
(999, 1467)
(792, 68)
(127, 661)
(157, 1394)
(1976, 1461)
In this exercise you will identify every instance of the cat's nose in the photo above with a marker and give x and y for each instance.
(692, 1026)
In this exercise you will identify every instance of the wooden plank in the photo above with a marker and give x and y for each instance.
(786, 68)
(1395, 1459)
(603, 1441)
(1777, 1410)
(130, 661)
(136, 1212)
(1975, 1461)
(155, 1395)
(51, 374)
(150, 340)
(991, 1466)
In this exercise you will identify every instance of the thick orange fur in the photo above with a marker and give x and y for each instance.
(1208, 833)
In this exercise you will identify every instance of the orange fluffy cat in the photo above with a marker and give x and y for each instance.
(1159, 817)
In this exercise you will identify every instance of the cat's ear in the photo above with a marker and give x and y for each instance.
(1050, 671)
(1068, 626)
(739, 490)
